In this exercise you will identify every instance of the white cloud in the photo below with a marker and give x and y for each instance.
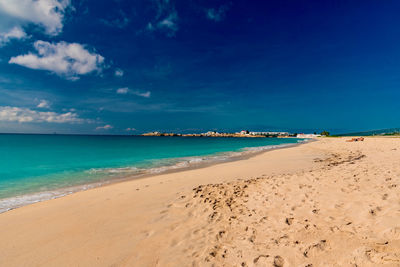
(125, 90)
(122, 91)
(48, 14)
(166, 19)
(43, 104)
(13, 33)
(217, 14)
(130, 129)
(119, 73)
(169, 24)
(142, 94)
(21, 115)
(105, 127)
(69, 109)
(64, 59)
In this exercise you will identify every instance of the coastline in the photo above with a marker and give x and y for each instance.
(11, 203)
(92, 217)
(325, 203)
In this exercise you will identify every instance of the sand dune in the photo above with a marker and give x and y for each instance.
(326, 203)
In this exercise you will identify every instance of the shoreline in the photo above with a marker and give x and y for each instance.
(325, 203)
(223, 157)
(104, 225)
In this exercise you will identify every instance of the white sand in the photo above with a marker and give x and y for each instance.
(326, 203)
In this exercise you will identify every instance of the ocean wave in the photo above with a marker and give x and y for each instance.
(7, 204)
(113, 170)
(114, 174)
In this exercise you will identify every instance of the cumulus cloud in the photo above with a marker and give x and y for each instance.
(16, 114)
(217, 14)
(130, 129)
(105, 127)
(43, 104)
(14, 33)
(119, 73)
(48, 14)
(68, 60)
(125, 90)
(122, 91)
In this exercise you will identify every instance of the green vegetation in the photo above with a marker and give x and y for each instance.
(391, 134)
(325, 133)
(385, 132)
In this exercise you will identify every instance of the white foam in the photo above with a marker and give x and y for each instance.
(125, 172)
(113, 170)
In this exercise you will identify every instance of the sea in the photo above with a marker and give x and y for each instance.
(34, 168)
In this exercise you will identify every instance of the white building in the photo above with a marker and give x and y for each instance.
(302, 135)
(210, 133)
(269, 133)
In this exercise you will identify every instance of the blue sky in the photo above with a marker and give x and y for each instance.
(127, 67)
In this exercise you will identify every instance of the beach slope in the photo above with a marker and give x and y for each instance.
(325, 203)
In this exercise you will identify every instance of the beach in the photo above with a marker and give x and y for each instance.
(41, 167)
(323, 203)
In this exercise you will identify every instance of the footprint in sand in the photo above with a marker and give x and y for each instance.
(392, 233)
(383, 254)
(315, 248)
(278, 261)
(289, 221)
(375, 211)
(260, 260)
(148, 233)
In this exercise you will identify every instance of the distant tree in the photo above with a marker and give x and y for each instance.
(325, 133)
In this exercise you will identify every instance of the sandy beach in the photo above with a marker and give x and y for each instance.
(324, 203)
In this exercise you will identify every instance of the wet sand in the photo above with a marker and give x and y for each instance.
(325, 203)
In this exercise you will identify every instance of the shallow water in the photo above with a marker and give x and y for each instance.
(37, 167)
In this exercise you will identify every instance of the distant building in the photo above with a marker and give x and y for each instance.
(302, 135)
(270, 133)
(152, 134)
(210, 133)
(243, 132)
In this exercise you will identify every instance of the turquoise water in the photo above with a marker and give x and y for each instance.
(30, 164)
